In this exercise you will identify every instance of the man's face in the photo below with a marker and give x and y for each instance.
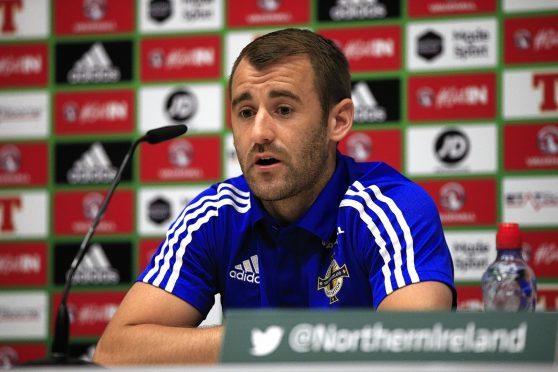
(282, 145)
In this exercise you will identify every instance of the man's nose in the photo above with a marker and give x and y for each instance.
(263, 129)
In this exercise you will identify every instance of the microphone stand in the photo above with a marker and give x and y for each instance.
(59, 349)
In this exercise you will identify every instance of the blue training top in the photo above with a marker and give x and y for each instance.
(369, 232)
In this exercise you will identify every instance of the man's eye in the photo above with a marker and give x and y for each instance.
(245, 113)
(284, 110)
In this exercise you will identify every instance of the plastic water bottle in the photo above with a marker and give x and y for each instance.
(509, 284)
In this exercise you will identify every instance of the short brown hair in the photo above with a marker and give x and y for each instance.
(332, 79)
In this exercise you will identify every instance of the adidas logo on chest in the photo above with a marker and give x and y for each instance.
(247, 271)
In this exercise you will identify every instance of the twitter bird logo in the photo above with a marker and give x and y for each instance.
(266, 342)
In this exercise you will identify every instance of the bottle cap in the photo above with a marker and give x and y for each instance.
(508, 236)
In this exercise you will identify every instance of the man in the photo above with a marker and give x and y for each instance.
(303, 227)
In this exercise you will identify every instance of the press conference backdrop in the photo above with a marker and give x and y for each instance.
(460, 95)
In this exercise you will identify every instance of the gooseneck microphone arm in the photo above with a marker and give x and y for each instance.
(60, 343)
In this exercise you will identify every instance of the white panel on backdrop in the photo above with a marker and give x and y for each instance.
(523, 5)
(24, 315)
(199, 106)
(159, 207)
(180, 15)
(530, 200)
(530, 93)
(453, 44)
(448, 149)
(230, 160)
(471, 252)
(24, 115)
(31, 19)
(24, 214)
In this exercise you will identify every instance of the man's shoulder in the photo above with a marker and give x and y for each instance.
(376, 173)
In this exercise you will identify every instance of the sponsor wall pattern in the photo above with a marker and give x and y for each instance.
(461, 96)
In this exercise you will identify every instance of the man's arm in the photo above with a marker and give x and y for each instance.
(153, 326)
(423, 296)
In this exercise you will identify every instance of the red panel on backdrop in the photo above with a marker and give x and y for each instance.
(23, 65)
(12, 354)
(197, 57)
(469, 298)
(465, 96)
(541, 251)
(531, 147)
(464, 202)
(23, 264)
(75, 210)
(147, 247)
(369, 49)
(93, 17)
(192, 159)
(531, 40)
(262, 13)
(428, 8)
(94, 112)
(23, 164)
(89, 312)
(374, 145)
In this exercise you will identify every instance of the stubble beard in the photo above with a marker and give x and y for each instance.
(294, 180)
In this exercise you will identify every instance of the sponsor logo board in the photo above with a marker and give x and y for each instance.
(441, 97)
(540, 250)
(14, 355)
(531, 147)
(159, 207)
(200, 107)
(376, 101)
(24, 214)
(147, 248)
(90, 163)
(23, 264)
(75, 210)
(99, 62)
(23, 65)
(181, 58)
(94, 112)
(530, 201)
(531, 40)
(472, 252)
(469, 298)
(428, 8)
(530, 93)
(452, 149)
(24, 114)
(90, 312)
(370, 48)
(180, 15)
(513, 6)
(182, 159)
(357, 10)
(271, 12)
(23, 164)
(374, 145)
(24, 19)
(452, 44)
(464, 202)
(93, 17)
(23, 315)
(104, 263)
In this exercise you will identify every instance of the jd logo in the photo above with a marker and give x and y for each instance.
(266, 342)
(452, 146)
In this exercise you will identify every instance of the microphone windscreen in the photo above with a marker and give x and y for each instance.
(165, 133)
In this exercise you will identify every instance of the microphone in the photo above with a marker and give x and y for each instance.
(59, 350)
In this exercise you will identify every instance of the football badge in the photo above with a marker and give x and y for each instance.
(333, 280)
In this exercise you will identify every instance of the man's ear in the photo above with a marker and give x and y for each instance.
(341, 119)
